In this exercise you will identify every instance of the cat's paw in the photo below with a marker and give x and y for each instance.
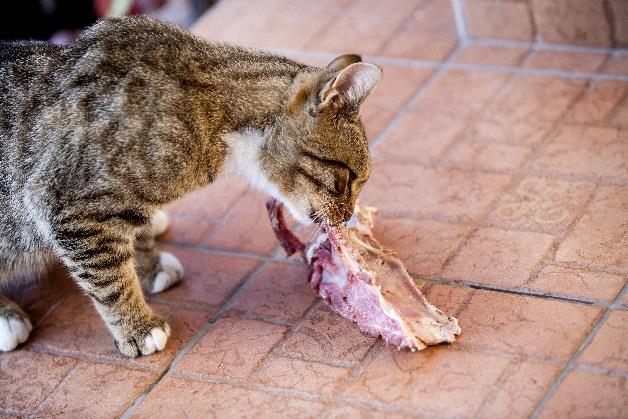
(169, 272)
(159, 223)
(148, 341)
(14, 329)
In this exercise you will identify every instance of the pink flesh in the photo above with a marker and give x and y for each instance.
(363, 282)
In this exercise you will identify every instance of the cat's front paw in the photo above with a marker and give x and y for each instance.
(169, 272)
(145, 341)
(14, 329)
(159, 223)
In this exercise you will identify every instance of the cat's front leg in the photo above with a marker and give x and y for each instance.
(100, 258)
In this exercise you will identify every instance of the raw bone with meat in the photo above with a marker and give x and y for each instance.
(366, 283)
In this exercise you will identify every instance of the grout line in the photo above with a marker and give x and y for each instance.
(55, 391)
(460, 21)
(572, 362)
(10, 412)
(508, 372)
(594, 369)
(522, 291)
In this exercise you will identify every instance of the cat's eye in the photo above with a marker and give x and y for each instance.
(343, 179)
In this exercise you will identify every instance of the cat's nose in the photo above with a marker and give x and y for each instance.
(346, 215)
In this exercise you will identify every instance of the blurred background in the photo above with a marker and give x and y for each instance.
(60, 21)
(591, 23)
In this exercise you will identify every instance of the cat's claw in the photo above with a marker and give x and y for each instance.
(13, 331)
(171, 272)
(153, 341)
(159, 223)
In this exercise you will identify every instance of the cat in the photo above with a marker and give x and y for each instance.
(97, 136)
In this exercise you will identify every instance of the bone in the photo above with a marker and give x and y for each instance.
(366, 283)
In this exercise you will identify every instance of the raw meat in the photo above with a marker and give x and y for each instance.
(366, 283)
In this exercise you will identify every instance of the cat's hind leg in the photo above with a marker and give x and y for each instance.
(14, 325)
(157, 271)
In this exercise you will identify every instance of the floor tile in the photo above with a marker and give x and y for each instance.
(599, 237)
(192, 399)
(38, 294)
(247, 228)
(599, 102)
(363, 27)
(280, 292)
(208, 281)
(422, 245)
(186, 229)
(609, 348)
(498, 257)
(298, 375)
(588, 395)
(398, 188)
(420, 136)
(522, 389)
(461, 92)
(473, 155)
(617, 63)
(343, 411)
(425, 381)
(503, 20)
(211, 202)
(398, 85)
(526, 326)
(27, 378)
(327, 337)
(578, 283)
(620, 114)
(231, 348)
(542, 203)
(76, 329)
(586, 150)
(491, 55)
(448, 298)
(524, 111)
(585, 62)
(96, 391)
(428, 34)
(572, 23)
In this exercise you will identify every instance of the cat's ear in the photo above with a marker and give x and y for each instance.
(351, 86)
(342, 61)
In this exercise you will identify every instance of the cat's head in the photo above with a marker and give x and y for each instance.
(317, 156)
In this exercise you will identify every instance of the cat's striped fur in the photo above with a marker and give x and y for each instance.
(97, 136)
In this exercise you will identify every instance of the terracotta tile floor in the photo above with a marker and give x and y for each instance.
(501, 172)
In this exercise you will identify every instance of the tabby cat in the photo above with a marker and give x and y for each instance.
(96, 137)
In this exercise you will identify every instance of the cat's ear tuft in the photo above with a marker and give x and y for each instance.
(352, 85)
(342, 61)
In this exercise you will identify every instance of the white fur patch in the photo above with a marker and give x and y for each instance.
(171, 272)
(159, 223)
(13, 331)
(156, 340)
(243, 161)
